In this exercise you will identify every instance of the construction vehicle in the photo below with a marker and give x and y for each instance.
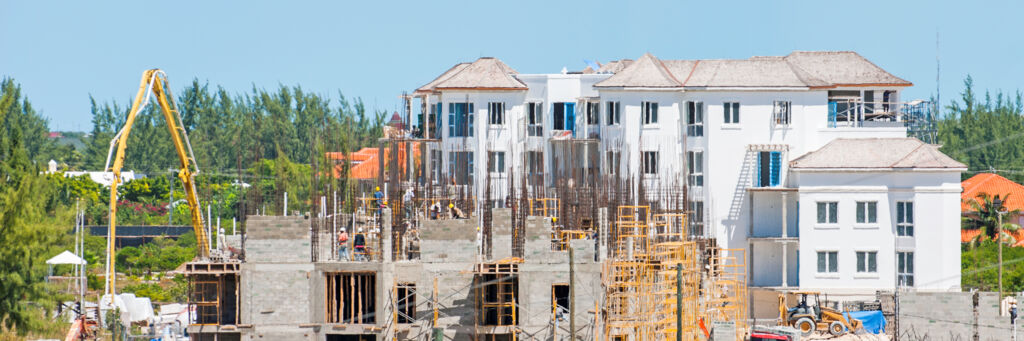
(154, 84)
(808, 315)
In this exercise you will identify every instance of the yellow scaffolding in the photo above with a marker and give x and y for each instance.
(725, 290)
(544, 207)
(643, 298)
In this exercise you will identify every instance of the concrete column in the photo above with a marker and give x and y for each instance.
(785, 256)
(785, 220)
(602, 224)
(385, 235)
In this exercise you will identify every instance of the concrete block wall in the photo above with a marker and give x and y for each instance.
(449, 240)
(501, 233)
(275, 299)
(950, 316)
(277, 239)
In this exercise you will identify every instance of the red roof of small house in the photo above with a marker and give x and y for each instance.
(364, 161)
(993, 185)
(967, 235)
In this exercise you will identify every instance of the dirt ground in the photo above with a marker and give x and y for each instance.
(848, 337)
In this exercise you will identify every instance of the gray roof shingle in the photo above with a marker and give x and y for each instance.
(822, 69)
(882, 153)
(486, 73)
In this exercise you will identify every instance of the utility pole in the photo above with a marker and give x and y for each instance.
(572, 295)
(998, 203)
(679, 301)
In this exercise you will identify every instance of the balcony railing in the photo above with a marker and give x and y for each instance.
(857, 113)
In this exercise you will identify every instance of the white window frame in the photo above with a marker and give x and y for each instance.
(905, 268)
(649, 113)
(695, 167)
(496, 114)
(612, 161)
(782, 113)
(695, 118)
(831, 262)
(866, 213)
(613, 109)
(592, 113)
(867, 261)
(831, 207)
(905, 228)
(649, 159)
(731, 113)
(496, 162)
(535, 112)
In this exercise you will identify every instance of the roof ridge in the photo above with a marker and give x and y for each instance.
(664, 70)
(692, 70)
(905, 156)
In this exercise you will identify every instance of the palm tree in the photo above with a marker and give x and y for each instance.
(984, 214)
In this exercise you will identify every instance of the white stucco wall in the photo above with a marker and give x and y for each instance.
(935, 242)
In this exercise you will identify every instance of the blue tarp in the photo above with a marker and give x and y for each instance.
(872, 320)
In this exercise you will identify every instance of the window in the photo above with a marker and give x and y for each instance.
(769, 167)
(905, 219)
(649, 112)
(496, 113)
(435, 164)
(867, 261)
(612, 159)
(535, 168)
(593, 112)
(563, 116)
(827, 212)
(695, 168)
(695, 119)
(696, 218)
(867, 212)
(732, 112)
(535, 119)
(828, 261)
(350, 297)
(782, 112)
(496, 162)
(434, 119)
(650, 162)
(905, 269)
(613, 111)
(406, 293)
(460, 119)
(460, 167)
(560, 300)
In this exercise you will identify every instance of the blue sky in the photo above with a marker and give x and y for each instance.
(61, 52)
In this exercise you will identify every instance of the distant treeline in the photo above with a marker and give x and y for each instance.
(987, 134)
(234, 130)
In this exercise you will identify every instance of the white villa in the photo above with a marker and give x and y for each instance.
(801, 160)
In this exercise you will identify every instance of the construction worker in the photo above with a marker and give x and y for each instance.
(379, 196)
(435, 210)
(359, 245)
(343, 245)
(407, 203)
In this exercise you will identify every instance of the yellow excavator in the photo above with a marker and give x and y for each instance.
(810, 315)
(154, 85)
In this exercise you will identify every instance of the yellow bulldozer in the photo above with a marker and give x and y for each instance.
(808, 315)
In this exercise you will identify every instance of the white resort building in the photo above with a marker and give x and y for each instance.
(803, 160)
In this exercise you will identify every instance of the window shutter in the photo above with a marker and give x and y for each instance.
(776, 165)
(757, 182)
(469, 116)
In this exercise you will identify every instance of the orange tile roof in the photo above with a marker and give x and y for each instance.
(364, 161)
(967, 235)
(993, 185)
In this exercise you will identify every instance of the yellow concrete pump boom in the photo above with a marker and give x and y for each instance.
(154, 82)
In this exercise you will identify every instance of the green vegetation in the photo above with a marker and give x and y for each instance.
(980, 267)
(985, 134)
(271, 139)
